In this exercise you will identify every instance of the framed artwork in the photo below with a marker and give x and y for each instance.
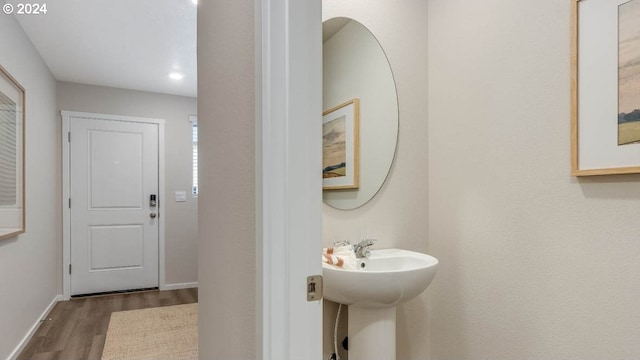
(12, 109)
(340, 146)
(605, 87)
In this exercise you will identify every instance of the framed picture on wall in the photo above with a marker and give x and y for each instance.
(605, 85)
(340, 146)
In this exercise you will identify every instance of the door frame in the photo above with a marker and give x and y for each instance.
(288, 37)
(66, 191)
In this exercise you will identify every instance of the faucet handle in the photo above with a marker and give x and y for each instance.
(341, 243)
(368, 242)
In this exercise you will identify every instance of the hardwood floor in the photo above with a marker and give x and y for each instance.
(76, 329)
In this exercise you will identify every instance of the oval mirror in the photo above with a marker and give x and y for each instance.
(360, 119)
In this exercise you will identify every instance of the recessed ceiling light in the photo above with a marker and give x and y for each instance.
(195, 1)
(176, 76)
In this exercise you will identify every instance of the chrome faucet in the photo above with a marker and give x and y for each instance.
(362, 248)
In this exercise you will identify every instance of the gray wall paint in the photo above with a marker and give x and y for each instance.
(227, 225)
(535, 264)
(30, 275)
(181, 217)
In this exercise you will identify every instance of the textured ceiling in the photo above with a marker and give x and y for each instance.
(131, 44)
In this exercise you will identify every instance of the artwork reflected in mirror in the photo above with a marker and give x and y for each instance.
(340, 147)
(11, 156)
(629, 73)
(334, 146)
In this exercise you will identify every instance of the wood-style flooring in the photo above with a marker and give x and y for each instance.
(76, 329)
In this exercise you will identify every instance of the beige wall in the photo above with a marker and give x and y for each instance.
(227, 242)
(397, 215)
(535, 264)
(30, 274)
(181, 248)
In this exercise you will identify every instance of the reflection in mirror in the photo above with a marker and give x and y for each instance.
(11, 156)
(356, 67)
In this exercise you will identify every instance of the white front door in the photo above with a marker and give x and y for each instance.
(114, 227)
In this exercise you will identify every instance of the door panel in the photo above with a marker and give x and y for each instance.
(115, 161)
(126, 242)
(113, 172)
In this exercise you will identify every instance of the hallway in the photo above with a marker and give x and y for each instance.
(76, 329)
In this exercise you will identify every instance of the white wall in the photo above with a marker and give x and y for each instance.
(397, 215)
(181, 247)
(226, 230)
(535, 264)
(29, 272)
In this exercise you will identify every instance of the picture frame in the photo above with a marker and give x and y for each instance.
(340, 146)
(602, 141)
(12, 156)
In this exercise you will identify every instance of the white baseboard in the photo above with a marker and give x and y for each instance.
(180, 286)
(32, 331)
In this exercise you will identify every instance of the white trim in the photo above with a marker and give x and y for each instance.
(273, 315)
(188, 285)
(161, 208)
(288, 181)
(25, 340)
(66, 211)
(89, 115)
(261, 278)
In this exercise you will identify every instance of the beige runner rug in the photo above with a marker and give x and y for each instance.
(163, 333)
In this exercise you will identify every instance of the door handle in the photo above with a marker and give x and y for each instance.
(153, 215)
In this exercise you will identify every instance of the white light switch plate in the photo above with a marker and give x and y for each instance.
(181, 196)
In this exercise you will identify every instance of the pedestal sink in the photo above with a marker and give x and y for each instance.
(383, 280)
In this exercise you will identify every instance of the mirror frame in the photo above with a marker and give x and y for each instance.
(20, 155)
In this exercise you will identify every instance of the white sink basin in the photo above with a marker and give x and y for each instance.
(385, 279)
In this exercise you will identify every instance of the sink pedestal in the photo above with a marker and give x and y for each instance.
(372, 333)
